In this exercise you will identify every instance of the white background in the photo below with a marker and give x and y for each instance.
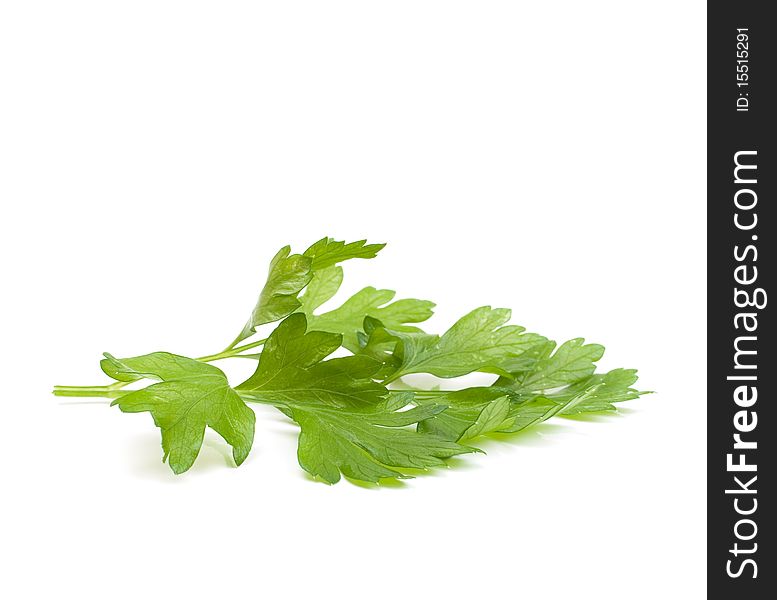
(547, 157)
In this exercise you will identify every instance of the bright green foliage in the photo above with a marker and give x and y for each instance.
(591, 394)
(322, 288)
(545, 369)
(495, 416)
(479, 341)
(508, 409)
(602, 392)
(326, 252)
(348, 422)
(471, 412)
(290, 273)
(161, 366)
(351, 424)
(348, 318)
(368, 443)
(292, 369)
(548, 383)
(190, 396)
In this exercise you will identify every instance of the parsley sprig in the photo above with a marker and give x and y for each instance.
(353, 418)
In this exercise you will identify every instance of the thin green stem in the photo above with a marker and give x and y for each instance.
(231, 352)
(114, 390)
(235, 342)
(74, 389)
(96, 392)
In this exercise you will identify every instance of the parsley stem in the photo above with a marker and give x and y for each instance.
(114, 390)
(74, 390)
(85, 392)
(230, 352)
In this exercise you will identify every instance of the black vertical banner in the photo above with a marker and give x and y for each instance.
(741, 193)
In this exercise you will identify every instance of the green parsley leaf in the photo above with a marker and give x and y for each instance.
(190, 396)
(471, 412)
(161, 366)
(291, 369)
(542, 383)
(349, 317)
(572, 361)
(368, 443)
(326, 252)
(592, 394)
(322, 288)
(349, 423)
(479, 341)
(290, 273)
(607, 390)
(480, 410)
